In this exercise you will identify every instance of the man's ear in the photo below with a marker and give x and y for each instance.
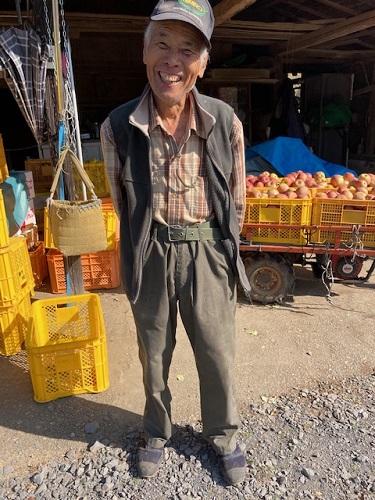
(203, 65)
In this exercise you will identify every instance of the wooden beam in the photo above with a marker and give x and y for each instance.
(229, 8)
(338, 6)
(299, 6)
(370, 135)
(338, 54)
(365, 90)
(335, 31)
(276, 26)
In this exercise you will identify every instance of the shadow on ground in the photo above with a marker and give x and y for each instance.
(63, 418)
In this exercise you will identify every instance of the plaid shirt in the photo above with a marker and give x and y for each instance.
(181, 195)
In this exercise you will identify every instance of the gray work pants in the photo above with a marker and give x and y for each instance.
(195, 277)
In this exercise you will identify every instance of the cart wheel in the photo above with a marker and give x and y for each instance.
(271, 277)
(347, 268)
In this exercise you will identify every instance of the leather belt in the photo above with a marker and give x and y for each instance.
(198, 232)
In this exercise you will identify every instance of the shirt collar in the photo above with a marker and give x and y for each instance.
(146, 117)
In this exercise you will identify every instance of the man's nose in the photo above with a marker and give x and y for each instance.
(173, 55)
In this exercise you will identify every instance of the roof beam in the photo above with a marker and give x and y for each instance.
(229, 8)
(339, 7)
(335, 31)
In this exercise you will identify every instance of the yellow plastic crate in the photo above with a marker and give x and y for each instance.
(4, 232)
(43, 174)
(278, 212)
(13, 326)
(111, 223)
(97, 173)
(339, 212)
(16, 275)
(4, 173)
(66, 347)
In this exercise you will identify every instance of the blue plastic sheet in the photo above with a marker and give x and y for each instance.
(287, 154)
(15, 194)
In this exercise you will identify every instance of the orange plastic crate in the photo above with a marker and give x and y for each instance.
(339, 212)
(278, 212)
(13, 326)
(39, 267)
(99, 270)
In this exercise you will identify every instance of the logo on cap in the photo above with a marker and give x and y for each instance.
(194, 7)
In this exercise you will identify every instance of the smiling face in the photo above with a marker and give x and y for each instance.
(174, 54)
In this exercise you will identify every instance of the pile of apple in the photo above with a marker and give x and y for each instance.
(302, 185)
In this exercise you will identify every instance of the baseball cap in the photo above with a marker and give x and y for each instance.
(195, 12)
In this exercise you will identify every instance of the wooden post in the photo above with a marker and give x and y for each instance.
(73, 265)
(370, 136)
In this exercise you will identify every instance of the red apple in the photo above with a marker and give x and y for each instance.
(332, 194)
(349, 176)
(302, 191)
(298, 183)
(359, 196)
(310, 182)
(336, 180)
(291, 194)
(272, 192)
(359, 183)
(283, 187)
(301, 175)
(365, 177)
(348, 194)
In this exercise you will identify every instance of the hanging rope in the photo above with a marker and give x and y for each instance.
(327, 274)
(355, 243)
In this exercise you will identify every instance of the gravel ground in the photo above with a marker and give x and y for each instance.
(312, 444)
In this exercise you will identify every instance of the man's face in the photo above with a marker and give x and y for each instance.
(173, 59)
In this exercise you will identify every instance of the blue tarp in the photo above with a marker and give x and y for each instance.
(287, 154)
(16, 201)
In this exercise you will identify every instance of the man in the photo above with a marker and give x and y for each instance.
(175, 161)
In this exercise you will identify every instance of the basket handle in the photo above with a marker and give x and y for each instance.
(82, 172)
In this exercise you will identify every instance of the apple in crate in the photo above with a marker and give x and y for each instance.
(359, 196)
(349, 176)
(337, 180)
(303, 192)
(319, 176)
(360, 183)
(365, 177)
(283, 187)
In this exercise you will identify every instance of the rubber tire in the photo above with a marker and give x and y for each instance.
(271, 277)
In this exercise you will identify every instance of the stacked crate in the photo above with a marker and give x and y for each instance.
(66, 347)
(4, 173)
(100, 270)
(16, 288)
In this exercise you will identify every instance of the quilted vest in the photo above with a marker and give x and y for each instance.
(136, 215)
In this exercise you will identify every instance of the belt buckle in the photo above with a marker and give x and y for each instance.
(169, 232)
